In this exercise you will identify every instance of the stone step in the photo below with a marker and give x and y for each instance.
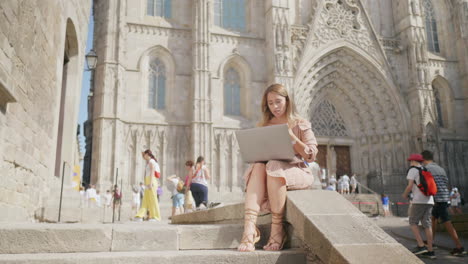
(369, 204)
(161, 257)
(145, 236)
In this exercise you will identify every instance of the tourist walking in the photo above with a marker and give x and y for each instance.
(199, 185)
(345, 184)
(455, 201)
(177, 188)
(150, 200)
(353, 183)
(136, 201)
(420, 209)
(385, 204)
(116, 197)
(441, 199)
(267, 182)
(108, 199)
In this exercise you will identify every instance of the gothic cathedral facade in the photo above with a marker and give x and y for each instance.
(378, 79)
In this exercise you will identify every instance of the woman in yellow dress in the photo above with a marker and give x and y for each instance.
(150, 200)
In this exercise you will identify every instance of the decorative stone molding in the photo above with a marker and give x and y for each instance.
(230, 39)
(343, 19)
(391, 44)
(436, 63)
(298, 39)
(159, 31)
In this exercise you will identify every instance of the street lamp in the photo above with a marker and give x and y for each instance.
(91, 59)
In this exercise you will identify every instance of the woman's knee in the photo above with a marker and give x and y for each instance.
(278, 180)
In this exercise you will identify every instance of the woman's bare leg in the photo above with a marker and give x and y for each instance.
(254, 196)
(276, 188)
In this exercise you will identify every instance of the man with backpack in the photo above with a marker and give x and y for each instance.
(442, 197)
(421, 183)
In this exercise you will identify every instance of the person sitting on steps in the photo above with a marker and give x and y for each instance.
(267, 183)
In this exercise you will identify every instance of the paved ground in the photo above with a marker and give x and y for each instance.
(398, 228)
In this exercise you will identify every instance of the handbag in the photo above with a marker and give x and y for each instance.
(189, 201)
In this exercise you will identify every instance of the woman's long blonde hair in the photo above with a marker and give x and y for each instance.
(267, 115)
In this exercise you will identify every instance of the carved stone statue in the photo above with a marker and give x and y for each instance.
(415, 8)
(287, 63)
(279, 62)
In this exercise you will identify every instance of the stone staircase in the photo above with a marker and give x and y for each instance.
(323, 227)
(131, 243)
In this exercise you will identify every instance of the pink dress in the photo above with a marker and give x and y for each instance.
(295, 173)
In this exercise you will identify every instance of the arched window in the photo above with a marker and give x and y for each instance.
(328, 122)
(161, 8)
(157, 85)
(438, 105)
(230, 14)
(431, 27)
(232, 93)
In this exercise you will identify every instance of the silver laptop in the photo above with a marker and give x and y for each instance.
(265, 143)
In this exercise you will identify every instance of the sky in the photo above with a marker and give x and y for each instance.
(83, 113)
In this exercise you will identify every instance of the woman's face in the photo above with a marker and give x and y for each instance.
(277, 104)
(188, 168)
(145, 156)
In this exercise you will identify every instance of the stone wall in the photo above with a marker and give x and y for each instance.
(32, 43)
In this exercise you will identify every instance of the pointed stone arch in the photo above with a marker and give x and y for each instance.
(243, 68)
(67, 99)
(360, 89)
(442, 102)
(164, 55)
(328, 121)
(367, 86)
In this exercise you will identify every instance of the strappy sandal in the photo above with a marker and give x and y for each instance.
(250, 239)
(278, 238)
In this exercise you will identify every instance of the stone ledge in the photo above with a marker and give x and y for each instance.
(337, 232)
(161, 257)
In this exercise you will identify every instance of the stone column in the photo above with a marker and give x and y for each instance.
(278, 47)
(461, 29)
(108, 87)
(201, 117)
(409, 19)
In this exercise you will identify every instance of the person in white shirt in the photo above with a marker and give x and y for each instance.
(108, 198)
(455, 201)
(420, 209)
(345, 184)
(91, 196)
(98, 198)
(339, 186)
(332, 181)
(198, 184)
(353, 182)
(136, 199)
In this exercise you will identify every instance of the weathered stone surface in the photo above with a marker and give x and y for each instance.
(34, 36)
(146, 237)
(366, 253)
(226, 213)
(332, 234)
(41, 238)
(165, 257)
